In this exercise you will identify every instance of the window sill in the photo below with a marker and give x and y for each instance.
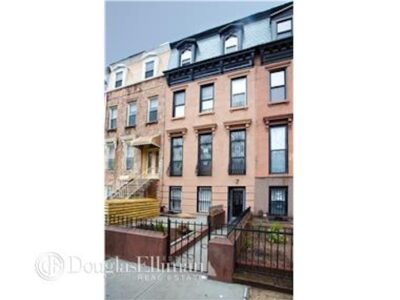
(111, 129)
(278, 102)
(205, 113)
(178, 118)
(130, 126)
(151, 123)
(238, 108)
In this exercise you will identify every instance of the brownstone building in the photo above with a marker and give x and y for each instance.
(229, 118)
(207, 120)
(134, 124)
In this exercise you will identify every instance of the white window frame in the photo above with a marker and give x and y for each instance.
(110, 109)
(236, 45)
(147, 60)
(148, 109)
(245, 91)
(284, 21)
(181, 57)
(119, 70)
(128, 110)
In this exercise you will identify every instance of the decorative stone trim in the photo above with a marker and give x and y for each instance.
(237, 124)
(278, 120)
(177, 131)
(202, 128)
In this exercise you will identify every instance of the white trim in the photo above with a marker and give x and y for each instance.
(148, 107)
(150, 57)
(109, 116)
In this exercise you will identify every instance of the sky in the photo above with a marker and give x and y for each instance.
(132, 27)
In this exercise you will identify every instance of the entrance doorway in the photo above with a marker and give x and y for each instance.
(236, 202)
(150, 162)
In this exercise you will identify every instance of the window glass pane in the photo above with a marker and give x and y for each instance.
(205, 152)
(278, 194)
(278, 161)
(278, 94)
(204, 199)
(231, 41)
(177, 141)
(237, 149)
(238, 100)
(284, 26)
(277, 78)
(150, 66)
(278, 137)
(207, 92)
(153, 104)
(238, 86)
(179, 98)
(118, 75)
(132, 108)
(207, 105)
(179, 111)
(186, 56)
(177, 154)
(237, 135)
(205, 138)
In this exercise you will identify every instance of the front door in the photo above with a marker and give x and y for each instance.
(236, 202)
(152, 163)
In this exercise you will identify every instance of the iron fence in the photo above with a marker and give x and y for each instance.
(265, 249)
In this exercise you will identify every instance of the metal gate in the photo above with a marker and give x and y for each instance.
(187, 245)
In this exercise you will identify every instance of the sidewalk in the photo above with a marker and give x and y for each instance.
(163, 285)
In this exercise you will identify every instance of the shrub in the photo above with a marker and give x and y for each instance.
(275, 233)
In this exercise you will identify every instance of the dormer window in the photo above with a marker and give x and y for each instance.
(149, 69)
(231, 44)
(186, 57)
(119, 78)
(284, 27)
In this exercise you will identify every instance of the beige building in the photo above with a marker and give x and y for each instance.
(135, 123)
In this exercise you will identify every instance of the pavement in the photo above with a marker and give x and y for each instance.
(125, 280)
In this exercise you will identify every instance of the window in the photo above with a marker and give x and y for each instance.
(175, 196)
(204, 164)
(203, 199)
(176, 156)
(238, 92)
(107, 191)
(284, 26)
(110, 156)
(149, 69)
(237, 162)
(186, 57)
(131, 119)
(231, 44)
(278, 85)
(178, 109)
(119, 78)
(129, 157)
(278, 149)
(153, 106)
(112, 117)
(278, 201)
(207, 98)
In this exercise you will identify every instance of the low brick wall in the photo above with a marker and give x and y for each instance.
(131, 243)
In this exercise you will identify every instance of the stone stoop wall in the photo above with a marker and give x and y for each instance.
(135, 245)
(221, 254)
(217, 216)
